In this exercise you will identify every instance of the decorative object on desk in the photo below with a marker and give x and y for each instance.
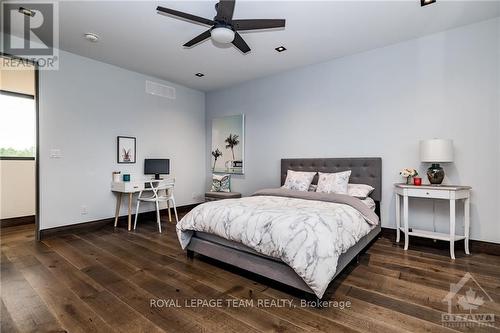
(216, 154)
(116, 176)
(126, 149)
(221, 183)
(228, 134)
(126, 177)
(408, 173)
(417, 181)
(436, 151)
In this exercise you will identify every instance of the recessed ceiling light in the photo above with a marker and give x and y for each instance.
(26, 11)
(199, 74)
(91, 37)
(280, 48)
(426, 2)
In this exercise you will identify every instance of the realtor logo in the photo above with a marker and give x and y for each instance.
(465, 300)
(30, 30)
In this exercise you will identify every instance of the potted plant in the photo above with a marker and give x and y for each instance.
(408, 173)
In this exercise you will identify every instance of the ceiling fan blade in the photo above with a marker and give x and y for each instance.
(225, 10)
(201, 37)
(240, 43)
(257, 24)
(186, 16)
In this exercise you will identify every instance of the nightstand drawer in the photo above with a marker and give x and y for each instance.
(425, 193)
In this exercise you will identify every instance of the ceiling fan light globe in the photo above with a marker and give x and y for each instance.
(222, 35)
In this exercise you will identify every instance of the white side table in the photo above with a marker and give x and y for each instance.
(443, 192)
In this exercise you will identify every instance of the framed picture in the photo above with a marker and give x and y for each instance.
(125, 149)
(228, 143)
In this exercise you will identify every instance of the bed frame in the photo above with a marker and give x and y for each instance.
(364, 171)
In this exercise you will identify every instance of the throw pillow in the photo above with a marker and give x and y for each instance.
(333, 182)
(221, 183)
(298, 180)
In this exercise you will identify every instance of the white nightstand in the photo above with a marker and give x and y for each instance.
(444, 192)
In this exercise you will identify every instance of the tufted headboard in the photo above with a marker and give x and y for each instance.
(364, 170)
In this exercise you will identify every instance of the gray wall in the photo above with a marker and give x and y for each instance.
(84, 106)
(381, 103)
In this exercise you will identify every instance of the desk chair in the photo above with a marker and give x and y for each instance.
(154, 194)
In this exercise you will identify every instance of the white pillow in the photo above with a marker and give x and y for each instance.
(370, 203)
(333, 182)
(298, 180)
(359, 190)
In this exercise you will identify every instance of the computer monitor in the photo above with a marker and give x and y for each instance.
(156, 166)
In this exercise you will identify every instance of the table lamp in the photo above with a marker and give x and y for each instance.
(436, 151)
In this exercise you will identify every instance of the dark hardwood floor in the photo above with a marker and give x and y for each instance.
(105, 280)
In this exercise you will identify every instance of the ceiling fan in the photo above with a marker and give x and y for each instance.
(223, 28)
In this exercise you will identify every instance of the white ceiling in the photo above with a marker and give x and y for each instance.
(135, 37)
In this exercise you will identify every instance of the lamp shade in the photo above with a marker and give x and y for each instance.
(436, 150)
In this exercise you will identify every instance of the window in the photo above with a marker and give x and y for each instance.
(17, 125)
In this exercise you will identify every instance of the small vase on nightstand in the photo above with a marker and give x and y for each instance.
(408, 173)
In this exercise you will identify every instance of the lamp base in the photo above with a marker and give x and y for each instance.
(435, 173)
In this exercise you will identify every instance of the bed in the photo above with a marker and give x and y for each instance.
(364, 171)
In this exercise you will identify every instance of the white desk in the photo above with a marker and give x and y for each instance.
(129, 188)
(446, 192)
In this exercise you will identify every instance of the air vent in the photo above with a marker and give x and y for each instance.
(157, 89)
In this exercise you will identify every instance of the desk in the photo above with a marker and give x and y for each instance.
(128, 188)
(443, 192)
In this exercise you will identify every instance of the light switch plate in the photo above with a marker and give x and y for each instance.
(55, 153)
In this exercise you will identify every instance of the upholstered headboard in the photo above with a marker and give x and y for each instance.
(364, 170)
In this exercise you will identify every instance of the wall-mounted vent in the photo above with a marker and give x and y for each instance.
(157, 89)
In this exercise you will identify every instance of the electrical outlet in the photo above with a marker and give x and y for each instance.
(84, 210)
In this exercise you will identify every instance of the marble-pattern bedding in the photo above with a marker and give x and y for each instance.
(308, 235)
